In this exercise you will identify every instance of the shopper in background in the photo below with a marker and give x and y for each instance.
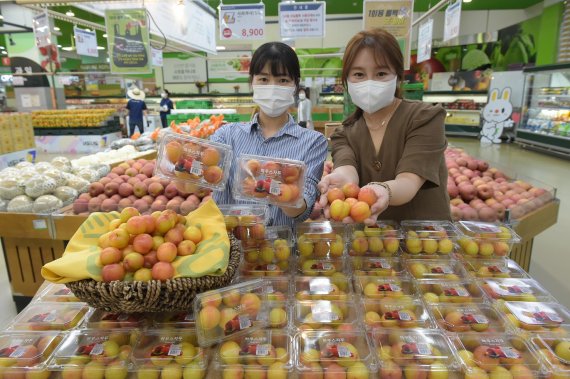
(304, 109)
(166, 105)
(137, 110)
(392, 145)
(274, 74)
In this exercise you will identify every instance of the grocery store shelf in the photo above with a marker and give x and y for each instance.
(550, 144)
(553, 107)
(546, 95)
(544, 134)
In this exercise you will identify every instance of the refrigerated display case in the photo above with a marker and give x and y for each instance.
(545, 125)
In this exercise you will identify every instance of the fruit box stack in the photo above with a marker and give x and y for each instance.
(330, 301)
(16, 132)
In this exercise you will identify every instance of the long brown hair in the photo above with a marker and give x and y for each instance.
(385, 48)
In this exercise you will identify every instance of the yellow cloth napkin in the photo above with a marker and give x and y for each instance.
(79, 261)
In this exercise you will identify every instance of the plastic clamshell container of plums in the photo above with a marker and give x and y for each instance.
(382, 240)
(554, 352)
(169, 354)
(334, 354)
(536, 317)
(176, 320)
(496, 355)
(439, 291)
(245, 222)
(279, 313)
(261, 269)
(514, 289)
(269, 180)
(414, 353)
(372, 287)
(95, 353)
(26, 354)
(322, 288)
(277, 287)
(320, 240)
(386, 267)
(259, 354)
(233, 310)
(442, 269)
(395, 313)
(319, 314)
(50, 316)
(195, 162)
(429, 238)
(485, 240)
(58, 293)
(321, 267)
(270, 256)
(467, 318)
(493, 268)
(101, 319)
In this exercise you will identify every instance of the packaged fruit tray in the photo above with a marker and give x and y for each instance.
(270, 256)
(229, 311)
(246, 222)
(322, 288)
(325, 314)
(485, 240)
(467, 318)
(429, 238)
(383, 240)
(438, 291)
(514, 289)
(193, 161)
(174, 320)
(334, 354)
(169, 354)
(277, 288)
(58, 293)
(321, 267)
(395, 313)
(50, 316)
(27, 354)
(273, 180)
(320, 240)
(95, 353)
(442, 269)
(554, 352)
(416, 353)
(387, 267)
(496, 355)
(260, 354)
(379, 287)
(537, 317)
(254, 265)
(101, 319)
(493, 268)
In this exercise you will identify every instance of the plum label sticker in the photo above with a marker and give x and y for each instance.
(63, 292)
(344, 352)
(322, 266)
(18, 352)
(474, 318)
(497, 269)
(325, 317)
(379, 263)
(398, 315)
(473, 227)
(416, 348)
(269, 289)
(44, 317)
(388, 287)
(320, 286)
(275, 187)
(517, 288)
(189, 316)
(456, 291)
(235, 212)
(271, 267)
(503, 352)
(97, 349)
(175, 350)
(244, 322)
(534, 315)
(262, 350)
(441, 270)
(196, 168)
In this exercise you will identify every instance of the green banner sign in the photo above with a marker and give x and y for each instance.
(128, 36)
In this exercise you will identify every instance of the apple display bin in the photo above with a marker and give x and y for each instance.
(154, 296)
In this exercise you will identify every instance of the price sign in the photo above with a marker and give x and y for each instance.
(452, 21)
(302, 20)
(243, 21)
(85, 42)
(425, 33)
(42, 30)
(157, 59)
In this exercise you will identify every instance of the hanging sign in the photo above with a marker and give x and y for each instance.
(395, 16)
(241, 22)
(85, 42)
(42, 31)
(157, 60)
(184, 68)
(128, 37)
(299, 20)
(425, 34)
(229, 67)
(452, 21)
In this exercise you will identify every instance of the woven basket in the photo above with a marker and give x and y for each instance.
(154, 296)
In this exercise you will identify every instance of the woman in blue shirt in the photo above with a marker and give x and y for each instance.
(275, 74)
(166, 106)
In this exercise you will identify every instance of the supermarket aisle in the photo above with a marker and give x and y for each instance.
(7, 306)
(550, 264)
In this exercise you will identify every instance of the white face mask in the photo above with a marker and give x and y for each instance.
(302, 96)
(273, 100)
(163, 95)
(372, 95)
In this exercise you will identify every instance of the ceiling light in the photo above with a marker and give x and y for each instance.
(1, 17)
(68, 48)
(105, 35)
(100, 48)
(4, 52)
(467, 1)
(2, 48)
(59, 46)
(220, 48)
(70, 13)
(87, 30)
(56, 28)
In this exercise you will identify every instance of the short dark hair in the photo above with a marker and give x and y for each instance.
(167, 92)
(282, 59)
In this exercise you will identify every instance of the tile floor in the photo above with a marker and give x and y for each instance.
(550, 264)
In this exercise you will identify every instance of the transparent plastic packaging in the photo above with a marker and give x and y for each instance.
(334, 353)
(50, 316)
(273, 180)
(270, 256)
(245, 222)
(234, 310)
(438, 291)
(262, 269)
(322, 288)
(467, 318)
(536, 317)
(379, 288)
(58, 293)
(101, 319)
(176, 320)
(383, 240)
(320, 240)
(395, 313)
(493, 268)
(321, 267)
(486, 240)
(387, 267)
(193, 161)
(429, 238)
(319, 314)
(553, 350)
(27, 354)
(514, 289)
(279, 314)
(442, 269)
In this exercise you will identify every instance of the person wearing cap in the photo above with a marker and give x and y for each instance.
(137, 110)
